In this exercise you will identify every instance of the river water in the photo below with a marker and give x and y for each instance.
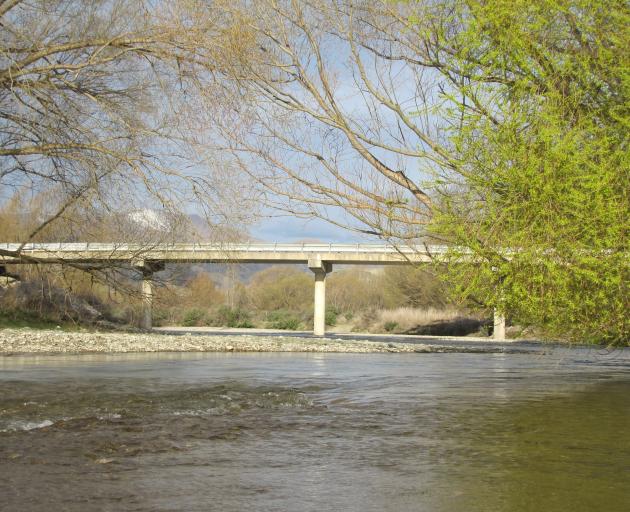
(316, 432)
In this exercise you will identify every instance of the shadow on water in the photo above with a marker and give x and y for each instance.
(565, 451)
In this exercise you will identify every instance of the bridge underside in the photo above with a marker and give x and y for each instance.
(320, 258)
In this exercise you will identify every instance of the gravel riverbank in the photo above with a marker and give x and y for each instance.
(30, 341)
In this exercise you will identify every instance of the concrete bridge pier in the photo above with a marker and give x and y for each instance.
(148, 268)
(147, 301)
(320, 269)
(498, 333)
(499, 326)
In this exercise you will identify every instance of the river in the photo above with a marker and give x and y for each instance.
(316, 432)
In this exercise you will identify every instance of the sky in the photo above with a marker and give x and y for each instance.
(367, 114)
(359, 106)
(287, 229)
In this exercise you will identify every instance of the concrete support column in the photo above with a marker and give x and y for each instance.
(147, 300)
(499, 317)
(499, 326)
(319, 315)
(147, 268)
(320, 269)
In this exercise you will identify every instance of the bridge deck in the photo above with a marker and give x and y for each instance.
(219, 253)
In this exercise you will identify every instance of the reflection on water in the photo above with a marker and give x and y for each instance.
(325, 432)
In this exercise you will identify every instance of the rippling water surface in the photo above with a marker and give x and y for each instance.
(318, 432)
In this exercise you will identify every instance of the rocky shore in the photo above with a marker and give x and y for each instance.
(31, 341)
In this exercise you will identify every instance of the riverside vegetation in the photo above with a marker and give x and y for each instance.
(488, 125)
(390, 300)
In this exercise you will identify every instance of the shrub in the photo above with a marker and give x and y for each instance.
(193, 317)
(42, 298)
(288, 324)
(415, 287)
(331, 316)
(390, 326)
(353, 290)
(232, 317)
(283, 320)
(281, 288)
(203, 291)
(161, 317)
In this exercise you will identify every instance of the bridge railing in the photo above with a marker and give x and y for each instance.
(75, 247)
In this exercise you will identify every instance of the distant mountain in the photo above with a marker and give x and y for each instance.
(150, 219)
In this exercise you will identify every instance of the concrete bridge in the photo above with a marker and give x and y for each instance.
(320, 259)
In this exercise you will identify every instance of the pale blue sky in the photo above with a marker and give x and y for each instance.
(293, 229)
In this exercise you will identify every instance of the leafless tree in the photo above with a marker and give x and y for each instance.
(346, 112)
(98, 103)
(100, 129)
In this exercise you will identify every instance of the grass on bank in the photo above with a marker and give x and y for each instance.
(21, 319)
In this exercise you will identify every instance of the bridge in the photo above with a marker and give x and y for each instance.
(149, 259)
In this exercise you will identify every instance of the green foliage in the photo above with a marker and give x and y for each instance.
(390, 326)
(283, 320)
(289, 324)
(160, 316)
(331, 316)
(232, 317)
(15, 319)
(543, 163)
(193, 317)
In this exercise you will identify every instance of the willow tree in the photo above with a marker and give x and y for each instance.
(98, 103)
(494, 126)
(100, 123)
(545, 168)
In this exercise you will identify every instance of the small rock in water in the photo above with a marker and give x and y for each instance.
(104, 461)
